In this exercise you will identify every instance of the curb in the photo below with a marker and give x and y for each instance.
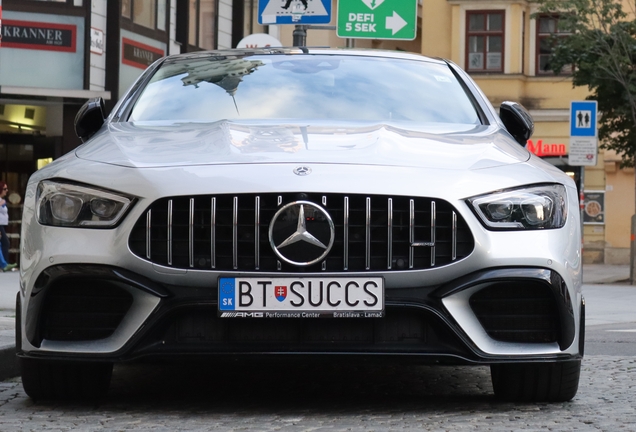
(9, 367)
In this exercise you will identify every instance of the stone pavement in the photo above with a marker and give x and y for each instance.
(609, 283)
(9, 286)
(605, 274)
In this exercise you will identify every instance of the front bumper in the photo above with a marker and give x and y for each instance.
(96, 312)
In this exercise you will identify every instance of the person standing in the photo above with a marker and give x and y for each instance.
(4, 223)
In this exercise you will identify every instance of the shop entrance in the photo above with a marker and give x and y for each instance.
(20, 156)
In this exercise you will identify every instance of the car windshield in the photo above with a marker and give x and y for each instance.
(332, 87)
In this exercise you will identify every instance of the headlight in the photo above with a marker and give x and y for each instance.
(71, 205)
(535, 207)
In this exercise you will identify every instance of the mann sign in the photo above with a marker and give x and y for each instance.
(541, 149)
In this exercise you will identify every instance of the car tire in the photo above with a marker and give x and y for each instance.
(536, 382)
(48, 379)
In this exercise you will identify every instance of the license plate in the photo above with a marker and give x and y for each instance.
(339, 297)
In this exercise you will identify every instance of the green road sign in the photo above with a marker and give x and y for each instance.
(377, 19)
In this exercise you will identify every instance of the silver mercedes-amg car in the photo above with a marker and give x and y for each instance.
(281, 202)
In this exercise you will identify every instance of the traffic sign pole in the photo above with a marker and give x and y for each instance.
(583, 142)
(299, 36)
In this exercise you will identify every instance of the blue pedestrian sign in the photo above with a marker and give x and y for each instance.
(583, 119)
(272, 12)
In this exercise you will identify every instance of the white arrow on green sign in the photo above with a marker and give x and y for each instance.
(377, 19)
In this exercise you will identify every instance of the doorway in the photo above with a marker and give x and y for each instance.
(19, 156)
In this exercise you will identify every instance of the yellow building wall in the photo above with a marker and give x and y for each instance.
(531, 92)
(437, 41)
(619, 208)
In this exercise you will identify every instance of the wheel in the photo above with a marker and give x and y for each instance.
(536, 382)
(48, 379)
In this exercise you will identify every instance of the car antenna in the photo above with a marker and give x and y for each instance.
(236, 106)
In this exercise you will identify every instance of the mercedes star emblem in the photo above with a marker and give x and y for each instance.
(301, 233)
(302, 170)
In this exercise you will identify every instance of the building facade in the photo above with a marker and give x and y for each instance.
(56, 54)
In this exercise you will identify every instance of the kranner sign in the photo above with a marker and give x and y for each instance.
(39, 36)
(139, 55)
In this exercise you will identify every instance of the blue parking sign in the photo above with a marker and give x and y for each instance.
(583, 118)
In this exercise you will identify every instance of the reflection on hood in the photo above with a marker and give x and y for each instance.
(453, 147)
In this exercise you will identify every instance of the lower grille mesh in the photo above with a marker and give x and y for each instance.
(230, 232)
(519, 312)
(206, 328)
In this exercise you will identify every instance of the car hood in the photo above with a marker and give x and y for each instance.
(436, 146)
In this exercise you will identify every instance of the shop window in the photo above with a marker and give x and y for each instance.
(202, 24)
(77, 3)
(547, 28)
(484, 41)
(146, 13)
(71, 2)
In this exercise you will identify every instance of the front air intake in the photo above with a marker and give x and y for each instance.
(517, 312)
(77, 309)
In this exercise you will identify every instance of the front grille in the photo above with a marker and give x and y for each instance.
(231, 233)
(517, 312)
(83, 310)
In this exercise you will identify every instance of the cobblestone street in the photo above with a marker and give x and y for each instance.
(439, 398)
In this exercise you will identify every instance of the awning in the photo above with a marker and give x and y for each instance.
(50, 92)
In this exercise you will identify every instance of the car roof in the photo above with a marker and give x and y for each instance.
(305, 51)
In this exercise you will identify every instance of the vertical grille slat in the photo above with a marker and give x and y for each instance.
(169, 246)
(213, 233)
(346, 234)
(235, 233)
(149, 234)
(257, 233)
(389, 233)
(411, 232)
(454, 237)
(191, 234)
(230, 233)
(367, 234)
(433, 231)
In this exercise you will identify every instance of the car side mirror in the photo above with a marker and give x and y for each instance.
(89, 118)
(517, 120)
